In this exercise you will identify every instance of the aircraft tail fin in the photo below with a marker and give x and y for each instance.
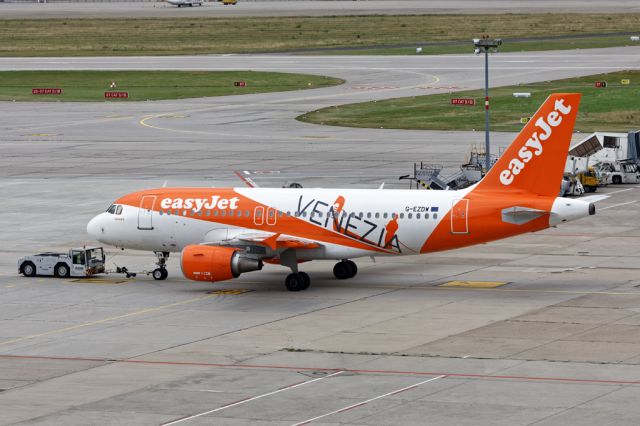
(535, 160)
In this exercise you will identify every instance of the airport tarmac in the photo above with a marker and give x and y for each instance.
(245, 8)
(538, 329)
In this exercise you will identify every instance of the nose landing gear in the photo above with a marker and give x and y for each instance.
(160, 273)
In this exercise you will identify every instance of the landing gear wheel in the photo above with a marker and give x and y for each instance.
(341, 270)
(29, 269)
(295, 282)
(160, 274)
(62, 271)
(353, 268)
(306, 279)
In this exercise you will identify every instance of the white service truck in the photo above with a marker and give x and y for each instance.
(78, 262)
(618, 172)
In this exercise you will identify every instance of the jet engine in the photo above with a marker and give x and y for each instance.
(210, 263)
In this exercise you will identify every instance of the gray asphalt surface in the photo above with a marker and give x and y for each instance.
(310, 8)
(558, 344)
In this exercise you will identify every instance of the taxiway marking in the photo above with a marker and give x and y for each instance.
(101, 321)
(618, 205)
(143, 121)
(244, 401)
(474, 284)
(618, 191)
(359, 404)
(332, 370)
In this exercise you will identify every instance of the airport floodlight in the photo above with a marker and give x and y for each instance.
(485, 44)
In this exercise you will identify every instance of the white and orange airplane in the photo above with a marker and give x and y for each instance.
(225, 232)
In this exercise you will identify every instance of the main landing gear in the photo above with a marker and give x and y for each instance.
(342, 270)
(160, 273)
(345, 269)
(297, 281)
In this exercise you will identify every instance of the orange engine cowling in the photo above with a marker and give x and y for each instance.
(210, 263)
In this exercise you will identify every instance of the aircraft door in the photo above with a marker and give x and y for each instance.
(145, 213)
(460, 216)
(271, 216)
(258, 215)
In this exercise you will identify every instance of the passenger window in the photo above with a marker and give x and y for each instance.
(377, 215)
(223, 212)
(215, 212)
(417, 215)
(368, 215)
(385, 215)
(409, 216)
(401, 215)
(161, 212)
(426, 215)
(247, 213)
(435, 215)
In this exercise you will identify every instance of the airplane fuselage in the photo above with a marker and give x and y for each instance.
(348, 222)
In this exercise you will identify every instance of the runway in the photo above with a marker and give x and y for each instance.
(246, 8)
(556, 341)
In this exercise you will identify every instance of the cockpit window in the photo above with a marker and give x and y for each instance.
(114, 209)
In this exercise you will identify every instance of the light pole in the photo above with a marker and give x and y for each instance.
(485, 44)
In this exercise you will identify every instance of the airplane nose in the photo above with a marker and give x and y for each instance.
(93, 227)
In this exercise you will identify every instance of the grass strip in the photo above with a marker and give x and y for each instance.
(180, 36)
(614, 108)
(150, 85)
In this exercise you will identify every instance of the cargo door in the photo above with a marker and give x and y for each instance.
(460, 216)
(145, 212)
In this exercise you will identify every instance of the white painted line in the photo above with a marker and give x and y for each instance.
(244, 401)
(349, 407)
(619, 191)
(618, 205)
(210, 390)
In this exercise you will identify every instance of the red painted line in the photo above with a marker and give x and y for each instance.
(248, 182)
(346, 370)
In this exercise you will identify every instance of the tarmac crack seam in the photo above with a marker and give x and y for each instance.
(244, 401)
(566, 409)
(134, 359)
(365, 402)
(104, 320)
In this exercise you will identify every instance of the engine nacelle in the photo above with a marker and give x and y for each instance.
(209, 263)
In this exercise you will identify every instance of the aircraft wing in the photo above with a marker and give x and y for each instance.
(274, 241)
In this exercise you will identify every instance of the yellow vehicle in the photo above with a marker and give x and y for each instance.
(589, 179)
(225, 2)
